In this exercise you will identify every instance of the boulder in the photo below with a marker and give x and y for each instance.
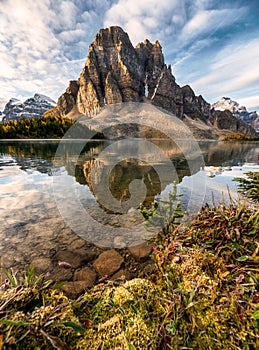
(108, 263)
(141, 251)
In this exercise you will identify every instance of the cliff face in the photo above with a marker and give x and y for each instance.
(117, 72)
(193, 106)
(67, 101)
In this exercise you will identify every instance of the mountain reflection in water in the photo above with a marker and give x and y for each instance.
(33, 227)
(39, 156)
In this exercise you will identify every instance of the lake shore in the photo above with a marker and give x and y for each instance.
(193, 286)
(202, 293)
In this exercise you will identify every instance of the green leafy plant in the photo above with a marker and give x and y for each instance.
(164, 213)
(209, 281)
(249, 185)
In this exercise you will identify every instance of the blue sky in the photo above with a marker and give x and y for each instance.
(212, 45)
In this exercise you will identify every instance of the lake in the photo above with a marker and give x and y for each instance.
(57, 196)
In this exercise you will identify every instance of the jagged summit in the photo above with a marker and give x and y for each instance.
(239, 111)
(116, 72)
(111, 36)
(227, 103)
(43, 99)
(32, 107)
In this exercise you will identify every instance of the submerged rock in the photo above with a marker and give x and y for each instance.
(108, 262)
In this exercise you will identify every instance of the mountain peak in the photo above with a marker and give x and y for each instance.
(229, 104)
(114, 35)
(239, 111)
(14, 100)
(157, 44)
(117, 72)
(34, 106)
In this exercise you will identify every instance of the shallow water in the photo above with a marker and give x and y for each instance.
(57, 196)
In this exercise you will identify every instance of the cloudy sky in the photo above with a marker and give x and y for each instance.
(212, 45)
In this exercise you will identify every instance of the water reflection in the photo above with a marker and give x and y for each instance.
(31, 225)
(120, 178)
(218, 156)
(89, 167)
(230, 153)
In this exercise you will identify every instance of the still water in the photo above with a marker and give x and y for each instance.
(54, 196)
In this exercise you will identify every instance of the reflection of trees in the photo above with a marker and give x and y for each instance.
(231, 153)
(40, 155)
(31, 155)
(30, 149)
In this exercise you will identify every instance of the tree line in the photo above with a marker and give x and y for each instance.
(42, 127)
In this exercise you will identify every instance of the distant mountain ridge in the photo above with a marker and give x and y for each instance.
(116, 72)
(239, 111)
(33, 107)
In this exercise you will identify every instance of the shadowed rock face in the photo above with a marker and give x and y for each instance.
(195, 107)
(68, 100)
(117, 72)
(225, 120)
(239, 111)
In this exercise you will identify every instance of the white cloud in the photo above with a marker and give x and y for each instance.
(208, 21)
(252, 102)
(3, 102)
(234, 71)
(42, 44)
(177, 23)
(147, 18)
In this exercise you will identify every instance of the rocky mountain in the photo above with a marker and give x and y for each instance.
(224, 120)
(117, 72)
(240, 112)
(33, 107)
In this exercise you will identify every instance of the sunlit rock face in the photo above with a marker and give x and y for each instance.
(67, 101)
(117, 72)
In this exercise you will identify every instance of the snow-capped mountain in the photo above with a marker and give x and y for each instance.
(225, 103)
(33, 107)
